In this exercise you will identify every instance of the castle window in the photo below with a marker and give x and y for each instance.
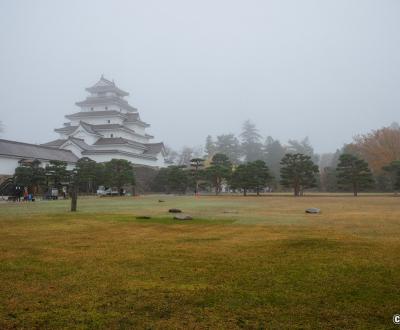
(111, 135)
(109, 121)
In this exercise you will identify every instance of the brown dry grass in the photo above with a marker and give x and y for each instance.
(267, 266)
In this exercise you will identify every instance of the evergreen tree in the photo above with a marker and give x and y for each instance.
(87, 171)
(394, 170)
(303, 147)
(173, 179)
(228, 145)
(274, 152)
(298, 172)
(219, 170)
(23, 176)
(57, 172)
(253, 175)
(260, 175)
(177, 179)
(353, 172)
(119, 172)
(30, 175)
(241, 178)
(251, 142)
(329, 179)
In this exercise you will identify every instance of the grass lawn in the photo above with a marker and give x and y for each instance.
(251, 263)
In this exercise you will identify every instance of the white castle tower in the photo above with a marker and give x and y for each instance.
(108, 127)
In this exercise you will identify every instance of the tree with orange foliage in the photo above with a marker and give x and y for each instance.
(379, 148)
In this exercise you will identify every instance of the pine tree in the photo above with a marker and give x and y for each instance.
(253, 175)
(394, 170)
(119, 172)
(298, 172)
(228, 145)
(353, 172)
(260, 175)
(219, 170)
(274, 152)
(241, 178)
(251, 142)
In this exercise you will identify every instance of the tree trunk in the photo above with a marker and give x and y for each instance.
(244, 192)
(74, 199)
(355, 190)
(258, 191)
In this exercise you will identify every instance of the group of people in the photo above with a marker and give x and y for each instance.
(22, 194)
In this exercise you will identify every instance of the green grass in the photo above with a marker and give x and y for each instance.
(243, 263)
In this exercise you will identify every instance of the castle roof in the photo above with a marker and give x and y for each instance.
(95, 114)
(105, 85)
(95, 129)
(130, 117)
(105, 100)
(118, 140)
(34, 151)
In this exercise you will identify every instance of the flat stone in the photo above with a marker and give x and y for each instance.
(143, 217)
(161, 201)
(231, 211)
(313, 210)
(182, 217)
(175, 211)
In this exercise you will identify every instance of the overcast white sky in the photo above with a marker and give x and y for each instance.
(323, 69)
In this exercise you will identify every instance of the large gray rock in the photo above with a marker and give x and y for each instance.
(313, 210)
(182, 217)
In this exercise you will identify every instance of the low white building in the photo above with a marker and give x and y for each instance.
(106, 127)
(13, 153)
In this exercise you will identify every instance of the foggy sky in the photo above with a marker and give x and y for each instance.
(323, 69)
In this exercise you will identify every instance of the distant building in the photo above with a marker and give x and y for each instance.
(106, 127)
(13, 153)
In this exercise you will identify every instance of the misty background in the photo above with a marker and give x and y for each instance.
(323, 69)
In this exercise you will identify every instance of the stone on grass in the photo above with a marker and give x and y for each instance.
(143, 217)
(231, 211)
(182, 217)
(313, 210)
(175, 211)
(161, 201)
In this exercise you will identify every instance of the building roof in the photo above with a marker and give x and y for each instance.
(80, 143)
(55, 143)
(128, 117)
(119, 152)
(105, 85)
(95, 129)
(118, 140)
(105, 100)
(89, 128)
(154, 148)
(105, 113)
(34, 151)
